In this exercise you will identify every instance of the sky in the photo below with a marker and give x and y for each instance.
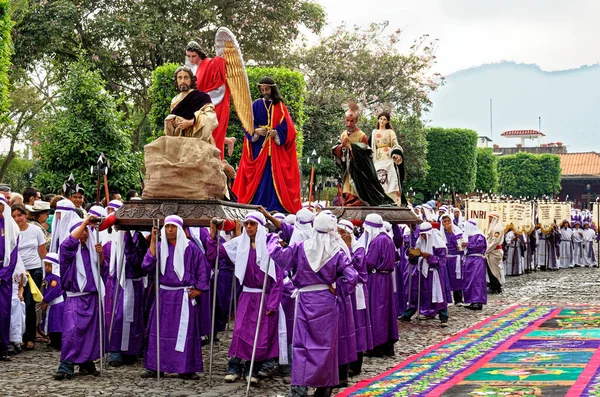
(554, 34)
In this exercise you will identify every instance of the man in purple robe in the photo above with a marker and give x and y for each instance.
(248, 251)
(182, 279)
(474, 284)
(401, 236)
(318, 264)
(53, 303)
(126, 253)
(380, 260)
(430, 261)
(84, 289)
(360, 308)
(454, 257)
(9, 256)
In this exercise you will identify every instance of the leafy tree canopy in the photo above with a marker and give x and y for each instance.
(487, 170)
(529, 175)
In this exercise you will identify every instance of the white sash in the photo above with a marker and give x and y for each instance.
(184, 318)
(458, 267)
(282, 332)
(361, 303)
(76, 294)
(437, 296)
(128, 309)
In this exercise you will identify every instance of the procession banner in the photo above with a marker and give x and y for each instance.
(596, 213)
(549, 213)
(521, 216)
(478, 211)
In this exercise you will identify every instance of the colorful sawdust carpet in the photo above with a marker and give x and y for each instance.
(523, 351)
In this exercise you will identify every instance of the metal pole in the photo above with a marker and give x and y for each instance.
(214, 309)
(260, 310)
(231, 297)
(100, 308)
(419, 265)
(157, 303)
(116, 297)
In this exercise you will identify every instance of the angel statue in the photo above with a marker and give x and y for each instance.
(361, 186)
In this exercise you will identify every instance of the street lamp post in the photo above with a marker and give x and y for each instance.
(313, 159)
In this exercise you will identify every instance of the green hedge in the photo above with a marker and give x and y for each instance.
(291, 85)
(529, 175)
(452, 159)
(487, 170)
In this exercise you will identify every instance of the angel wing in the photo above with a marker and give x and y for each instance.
(227, 47)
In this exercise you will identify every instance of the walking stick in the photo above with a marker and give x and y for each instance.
(260, 310)
(214, 304)
(231, 298)
(410, 273)
(419, 266)
(156, 224)
(118, 276)
(100, 308)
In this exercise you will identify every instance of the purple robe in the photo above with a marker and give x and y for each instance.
(401, 272)
(224, 282)
(475, 288)
(362, 318)
(246, 316)
(286, 232)
(6, 287)
(80, 335)
(380, 261)
(315, 343)
(53, 293)
(454, 258)
(170, 304)
(133, 340)
(346, 328)
(437, 260)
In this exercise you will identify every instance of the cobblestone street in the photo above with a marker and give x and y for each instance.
(30, 373)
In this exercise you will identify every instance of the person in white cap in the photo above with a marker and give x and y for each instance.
(183, 277)
(64, 216)
(248, 251)
(434, 287)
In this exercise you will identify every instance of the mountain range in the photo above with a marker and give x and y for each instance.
(568, 103)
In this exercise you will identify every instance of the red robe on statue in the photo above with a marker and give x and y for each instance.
(210, 76)
(283, 165)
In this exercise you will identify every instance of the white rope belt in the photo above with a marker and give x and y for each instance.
(184, 318)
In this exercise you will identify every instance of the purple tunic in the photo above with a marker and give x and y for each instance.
(54, 312)
(401, 272)
(286, 232)
(6, 274)
(80, 335)
(380, 261)
(170, 300)
(475, 288)
(362, 318)
(132, 342)
(315, 344)
(453, 260)
(436, 261)
(346, 328)
(247, 311)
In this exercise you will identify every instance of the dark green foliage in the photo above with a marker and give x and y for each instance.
(20, 174)
(529, 175)
(5, 54)
(161, 92)
(86, 124)
(290, 83)
(487, 170)
(452, 158)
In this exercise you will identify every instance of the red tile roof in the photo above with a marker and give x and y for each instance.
(579, 164)
(522, 132)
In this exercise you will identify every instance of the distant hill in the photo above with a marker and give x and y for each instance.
(568, 102)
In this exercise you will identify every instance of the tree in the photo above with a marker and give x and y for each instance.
(487, 170)
(5, 53)
(452, 156)
(529, 175)
(128, 39)
(364, 64)
(85, 125)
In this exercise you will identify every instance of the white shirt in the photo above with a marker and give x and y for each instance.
(31, 239)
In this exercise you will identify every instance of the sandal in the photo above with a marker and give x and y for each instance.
(30, 346)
